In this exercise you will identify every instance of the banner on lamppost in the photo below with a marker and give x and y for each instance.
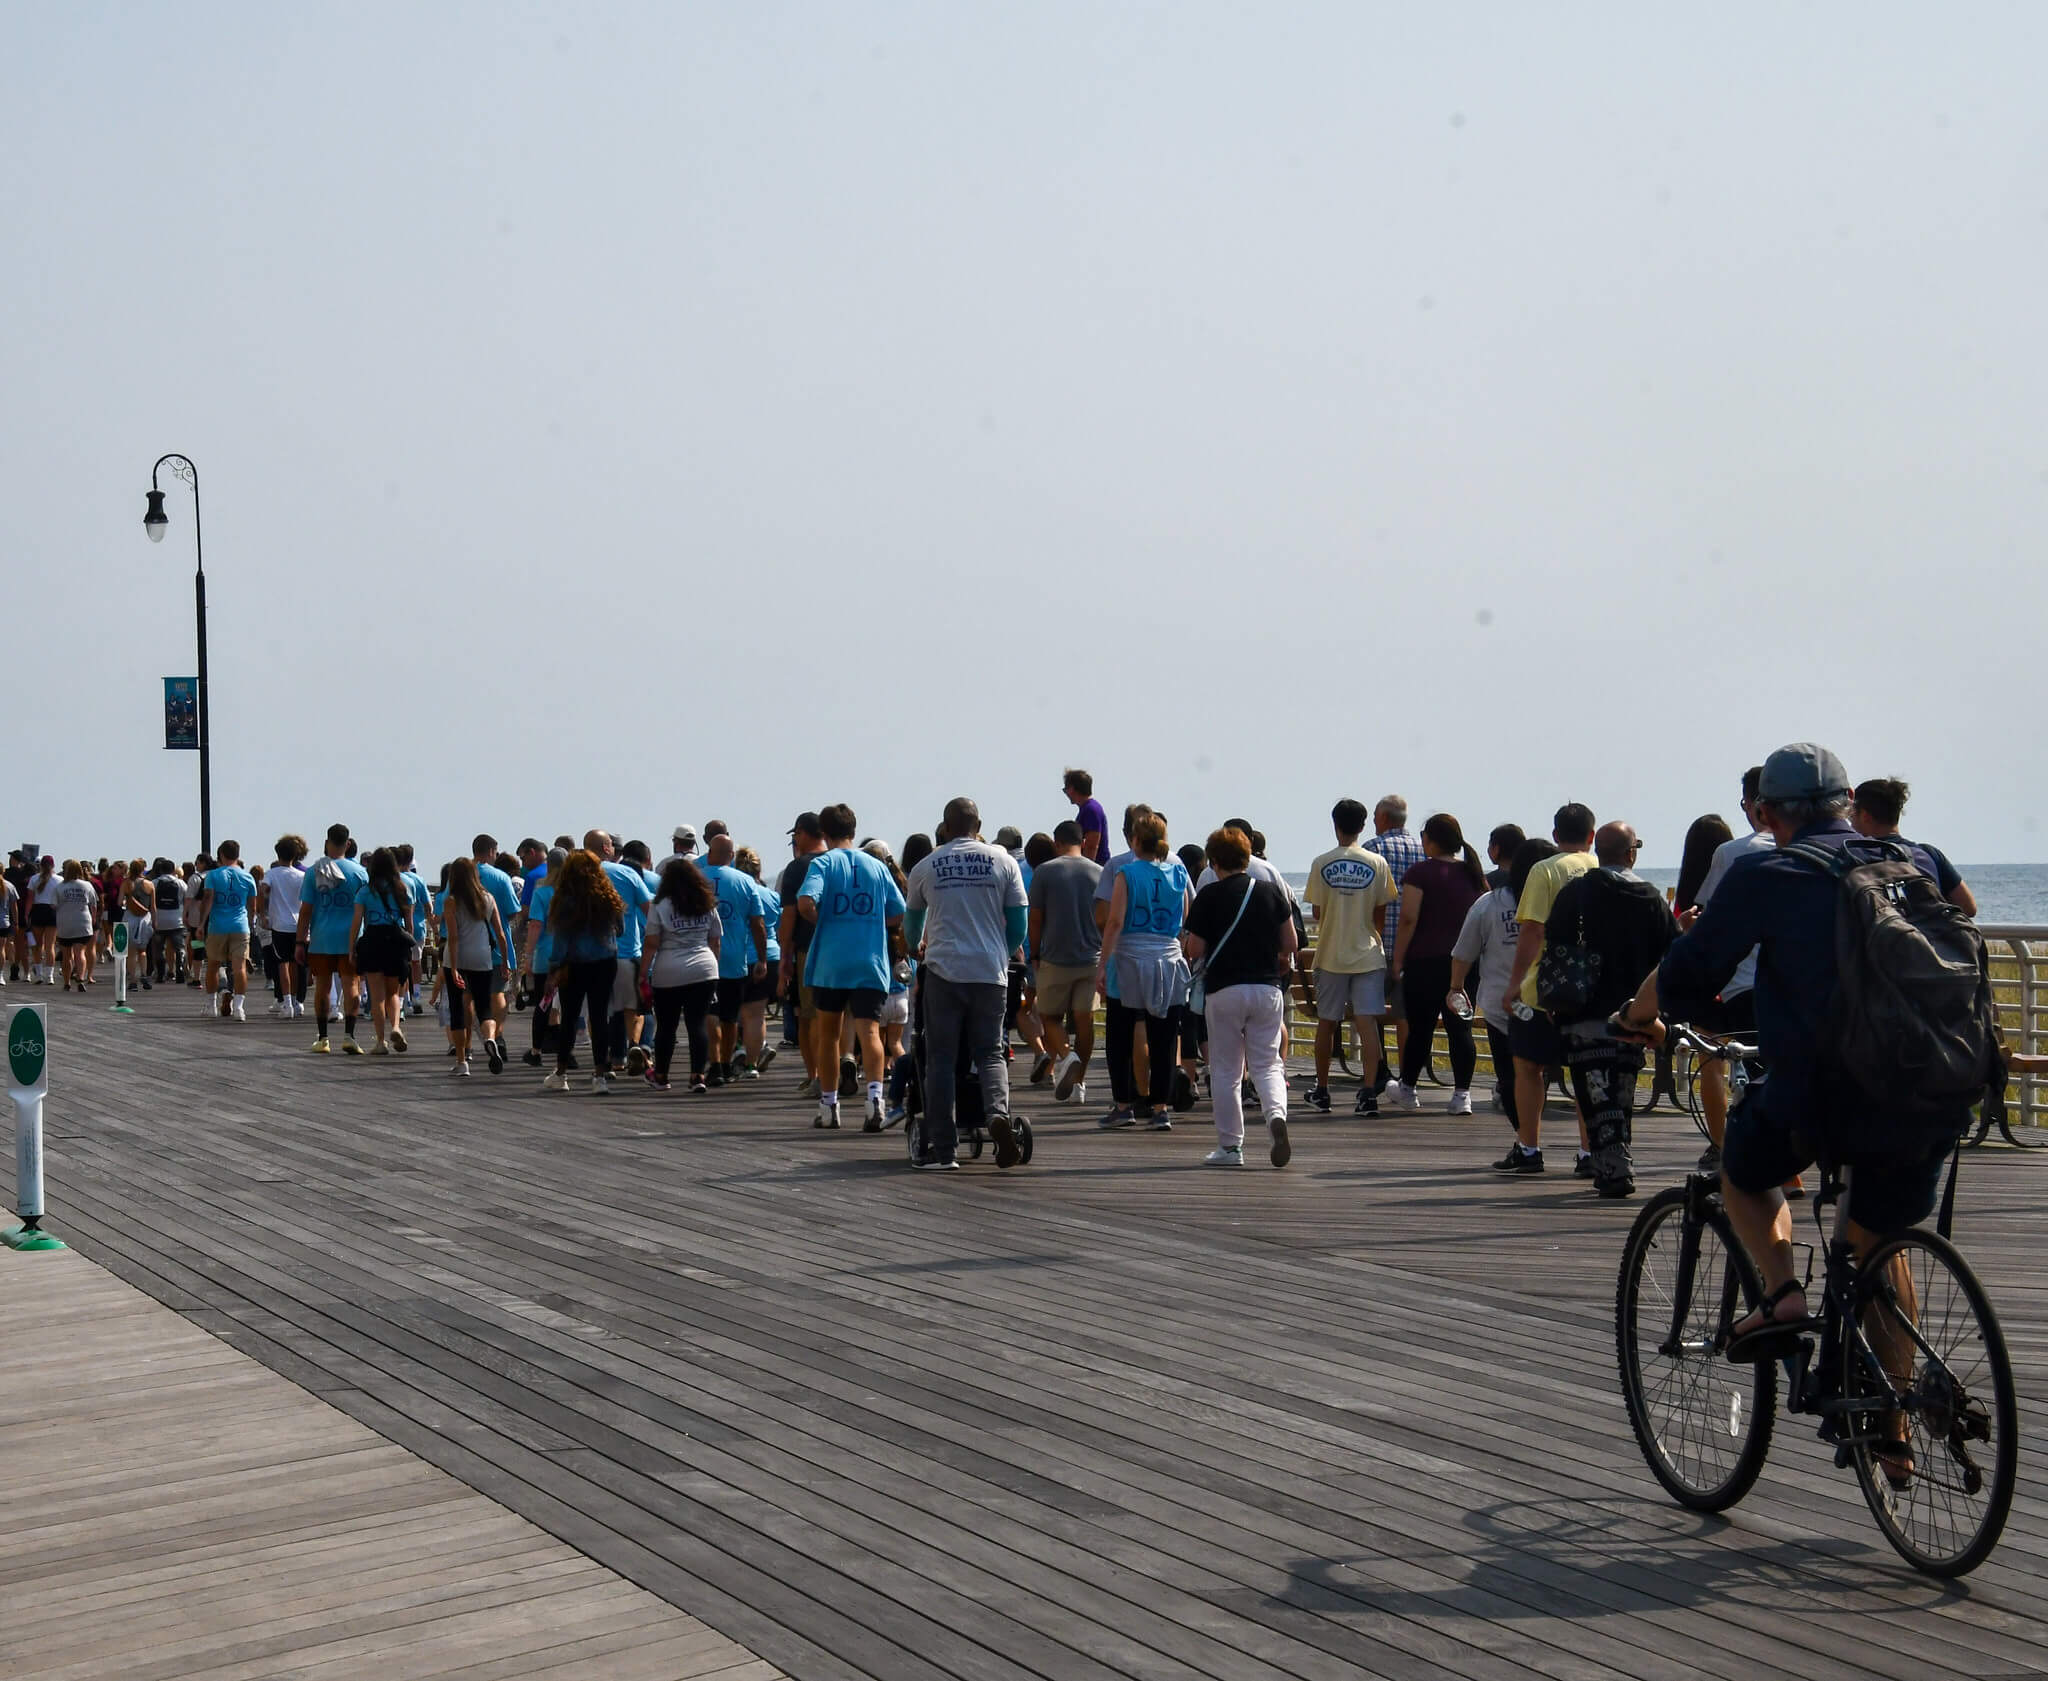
(181, 712)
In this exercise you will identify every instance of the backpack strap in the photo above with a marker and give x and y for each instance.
(1946, 1223)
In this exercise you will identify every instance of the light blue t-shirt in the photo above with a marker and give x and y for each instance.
(422, 902)
(379, 911)
(738, 899)
(856, 896)
(537, 902)
(771, 920)
(636, 895)
(1155, 898)
(232, 888)
(330, 888)
(505, 895)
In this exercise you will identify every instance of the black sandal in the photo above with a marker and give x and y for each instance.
(1770, 1338)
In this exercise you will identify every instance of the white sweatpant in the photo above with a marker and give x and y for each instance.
(1247, 1029)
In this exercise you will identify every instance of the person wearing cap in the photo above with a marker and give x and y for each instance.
(684, 842)
(1784, 907)
(799, 1007)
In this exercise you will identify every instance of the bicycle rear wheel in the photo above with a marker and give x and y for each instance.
(1703, 1424)
(1951, 1388)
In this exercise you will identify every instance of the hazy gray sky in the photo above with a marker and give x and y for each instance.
(619, 413)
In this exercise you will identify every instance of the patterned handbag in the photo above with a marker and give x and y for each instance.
(1566, 976)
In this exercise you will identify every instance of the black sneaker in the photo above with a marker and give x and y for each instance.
(1318, 1099)
(532, 1059)
(1282, 1150)
(716, 1077)
(849, 1077)
(1518, 1160)
(1613, 1171)
(1183, 1092)
(1368, 1102)
(1582, 1167)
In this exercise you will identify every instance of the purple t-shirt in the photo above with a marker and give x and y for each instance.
(1093, 820)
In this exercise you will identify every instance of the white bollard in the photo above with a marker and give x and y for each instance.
(121, 969)
(28, 1081)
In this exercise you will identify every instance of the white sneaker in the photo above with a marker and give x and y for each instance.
(1065, 1078)
(600, 1086)
(279, 1007)
(877, 1116)
(1081, 1091)
(209, 1004)
(1225, 1155)
(239, 1010)
(827, 1117)
(556, 1081)
(1403, 1097)
(1461, 1103)
(461, 1070)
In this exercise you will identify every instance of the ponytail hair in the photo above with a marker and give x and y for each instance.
(1449, 839)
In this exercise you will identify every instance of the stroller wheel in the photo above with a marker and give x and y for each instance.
(1023, 1140)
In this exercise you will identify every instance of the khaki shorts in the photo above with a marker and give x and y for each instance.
(1061, 989)
(1340, 996)
(625, 1000)
(227, 948)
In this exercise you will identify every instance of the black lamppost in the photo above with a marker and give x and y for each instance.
(154, 523)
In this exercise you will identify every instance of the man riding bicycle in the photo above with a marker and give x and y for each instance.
(1786, 906)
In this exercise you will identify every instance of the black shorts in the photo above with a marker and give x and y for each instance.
(1535, 1038)
(863, 1003)
(285, 947)
(759, 992)
(1760, 1153)
(385, 949)
(726, 1001)
(42, 916)
(1728, 1017)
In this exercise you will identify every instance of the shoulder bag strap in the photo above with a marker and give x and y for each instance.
(1251, 883)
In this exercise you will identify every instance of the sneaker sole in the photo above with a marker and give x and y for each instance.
(1283, 1151)
(1063, 1087)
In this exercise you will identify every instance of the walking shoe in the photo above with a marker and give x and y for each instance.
(658, 1085)
(494, 1054)
(1461, 1103)
(1183, 1098)
(1159, 1121)
(1613, 1171)
(827, 1117)
(636, 1062)
(1404, 1097)
(767, 1057)
(600, 1084)
(239, 1010)
(418, 1008)
(1117, 1119)
(1081, 1093)
(807, 1087)
(941, 1164)
(277, 1008)
(380, 1049)
(698, 1087)
(1004, 1133)
(320, 1045)
(1283, 1152)
(892, 1115)
(1041, 1070)
(1225, 1155)
(532, 1059)
(1710, 1161)
(1319, 1099)
(1066, 1077)
(557, 1080)
(461, 1069)
(739, 1064)
(1519, 1160)
(849, 1077)
(397, 1038)
(349, 1047)
(1582, 1165)
(717, 1074)
(1368, 1103)
(872, 1118)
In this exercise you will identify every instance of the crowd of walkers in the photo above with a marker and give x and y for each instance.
(915, 978)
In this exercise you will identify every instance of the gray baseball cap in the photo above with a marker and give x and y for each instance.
(1803, 771)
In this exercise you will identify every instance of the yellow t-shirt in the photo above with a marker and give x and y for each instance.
(1346, 885)
(1539, 895)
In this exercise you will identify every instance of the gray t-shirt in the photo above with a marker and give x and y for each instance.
(75, 902)
(1063, 892)
(1488, 940)
(965, 887)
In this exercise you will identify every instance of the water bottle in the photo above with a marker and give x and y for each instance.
(1461, 1006)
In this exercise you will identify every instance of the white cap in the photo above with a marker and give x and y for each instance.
(685, 837)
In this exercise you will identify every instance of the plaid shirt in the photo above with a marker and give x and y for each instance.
(1400, 849)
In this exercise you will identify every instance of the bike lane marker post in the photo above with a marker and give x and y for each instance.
(28, 1081)
(120, 1005)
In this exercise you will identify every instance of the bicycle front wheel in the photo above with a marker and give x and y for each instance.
(1932, 1364)
(1703, 1424)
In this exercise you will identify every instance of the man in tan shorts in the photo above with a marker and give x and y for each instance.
(1065, 945)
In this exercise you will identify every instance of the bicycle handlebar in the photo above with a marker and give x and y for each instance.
(1711, 1050)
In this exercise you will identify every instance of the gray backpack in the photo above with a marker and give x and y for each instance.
(1913, 1038)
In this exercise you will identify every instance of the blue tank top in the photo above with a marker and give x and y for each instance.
(1155, 897)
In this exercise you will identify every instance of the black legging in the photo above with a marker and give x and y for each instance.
(1503, 1071)
(1162, 1047)
(586, 986)
(473, 994)
(1425, 987)
(691, 1004)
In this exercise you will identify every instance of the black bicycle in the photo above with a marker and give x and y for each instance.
(1907, 1371)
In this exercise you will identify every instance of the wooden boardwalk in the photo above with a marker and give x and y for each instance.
(1111, 1415)
(173, 1509)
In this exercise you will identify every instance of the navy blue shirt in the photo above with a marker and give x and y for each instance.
(1785, 906)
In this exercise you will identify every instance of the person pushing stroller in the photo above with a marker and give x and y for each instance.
(968, 907)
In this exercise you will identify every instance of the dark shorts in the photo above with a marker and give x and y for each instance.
(731, 993)
(1760, 1153)
(863, 1003)
(1535, 1038)
(759, 992)
(285, 947)
(42, 916)
(1728, 1017)
(385, 949)
(68, 942)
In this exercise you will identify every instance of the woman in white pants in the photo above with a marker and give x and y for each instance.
(1242, 930)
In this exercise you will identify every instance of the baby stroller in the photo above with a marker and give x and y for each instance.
(969, 1120)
